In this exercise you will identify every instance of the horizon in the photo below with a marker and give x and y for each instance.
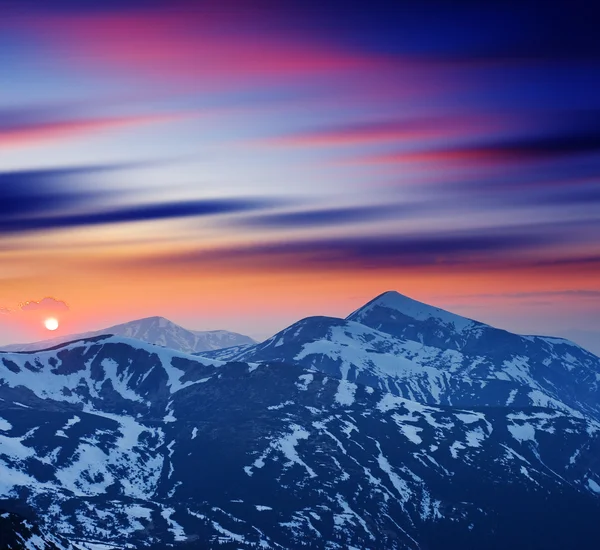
(248, 164)
(590, 345)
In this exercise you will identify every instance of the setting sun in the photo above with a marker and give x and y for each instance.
(51, 323)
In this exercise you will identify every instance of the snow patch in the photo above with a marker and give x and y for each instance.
(593, 485)
(174, 527)
(305, 380)
(411, 432)
(522, 432)
(280, 406)
(287, 445)
(345, 393)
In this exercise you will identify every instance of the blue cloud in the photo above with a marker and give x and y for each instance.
(330, 216)
(60, 198)
(444, 250)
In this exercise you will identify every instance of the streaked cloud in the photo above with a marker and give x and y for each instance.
(137, 213)
(363, 253)
(566, 293)
(29, 133)
(323, 217)
(579, 137)
(37, 200)
(189, 44)
(578, 262)
(27, 192)
(368, 133)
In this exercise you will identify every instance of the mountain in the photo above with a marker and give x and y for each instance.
(435, 357)
(121, 443)
(401, 316)
(409, 434)
(587, 338)
(17, 533)
(154, 330)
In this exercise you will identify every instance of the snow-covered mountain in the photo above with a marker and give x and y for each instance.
(154, 330)
(307, 443)
(18, 533)
(401, 316)
(426, 354)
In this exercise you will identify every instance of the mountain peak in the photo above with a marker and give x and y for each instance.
(153, 330)
(392, 303)
(153, 320)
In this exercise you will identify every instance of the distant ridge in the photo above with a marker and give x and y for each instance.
(153, 330)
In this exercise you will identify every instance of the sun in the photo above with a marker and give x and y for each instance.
(51, 323)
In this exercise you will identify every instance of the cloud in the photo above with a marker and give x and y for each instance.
(48, 304)
(358, 134)
(5, 311)
(509, 192)
(580, 137)
(500, 30)
(578, 262)
(137, 213)
(36, 200)
(374, 65)
(364, 253)
(220, 47)
(463, 30)
(407, 130)
(43, 191)
(330, 216)
(574, 193)
(567, 293)
(571, 143)
(27, 132)
(30, 191)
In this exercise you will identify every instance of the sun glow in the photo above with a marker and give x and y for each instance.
(51, 323)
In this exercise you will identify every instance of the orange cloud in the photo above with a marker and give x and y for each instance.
(46, 304)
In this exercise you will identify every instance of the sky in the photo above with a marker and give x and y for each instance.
(241, 164)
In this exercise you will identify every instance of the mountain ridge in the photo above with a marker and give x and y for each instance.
(332, 434)
(425, 357)
(407, 305)
(111, 436)
(156, 330)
